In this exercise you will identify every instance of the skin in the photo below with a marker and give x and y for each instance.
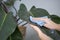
(49, 24)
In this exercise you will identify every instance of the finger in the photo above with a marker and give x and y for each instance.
(46, 25)
(34, 27)
(43, 19)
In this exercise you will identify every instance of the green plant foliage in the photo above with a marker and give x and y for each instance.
(7, 24)
(2, 15)
(23, 13)
(16, 35)
(10, 2)
(39, 12)
(32, 8)
(55, 18)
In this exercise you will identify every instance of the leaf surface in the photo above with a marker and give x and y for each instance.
(7, 24)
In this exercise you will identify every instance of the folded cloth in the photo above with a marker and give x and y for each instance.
(38, 22)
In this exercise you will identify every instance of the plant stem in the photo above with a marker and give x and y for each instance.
(4, 7)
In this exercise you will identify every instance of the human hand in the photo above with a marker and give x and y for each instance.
(41, 35)
(49, 23)
(37, 29)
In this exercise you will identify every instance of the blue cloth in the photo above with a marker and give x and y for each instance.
(40, 22)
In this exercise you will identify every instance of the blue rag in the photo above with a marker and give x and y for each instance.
(40, 22)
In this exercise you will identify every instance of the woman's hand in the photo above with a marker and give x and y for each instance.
(49, 23)
(41, 35)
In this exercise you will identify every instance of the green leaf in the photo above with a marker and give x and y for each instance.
(16, 35)
(55, 18)
(39, 12)
(23, 13)
(32, 8)
(2, 15)
(7, 24)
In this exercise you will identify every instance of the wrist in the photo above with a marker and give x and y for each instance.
(44, 36)
(39, 32)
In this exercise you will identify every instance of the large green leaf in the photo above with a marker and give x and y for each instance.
(16, 35)
(23, 13)
(2, 15)
(7, 24)
(39, 12)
